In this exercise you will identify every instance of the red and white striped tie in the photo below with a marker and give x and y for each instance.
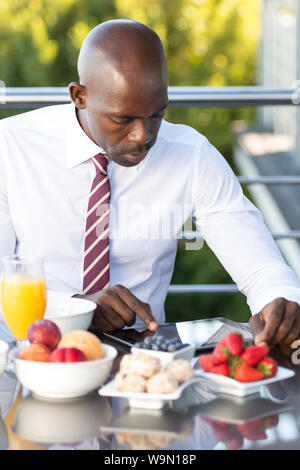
(96, 248)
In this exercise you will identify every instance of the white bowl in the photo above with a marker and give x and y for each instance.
(70, 314)
(63, 380)
(61, 421)
(3, 355)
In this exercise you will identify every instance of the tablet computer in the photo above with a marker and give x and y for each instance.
(204, 334)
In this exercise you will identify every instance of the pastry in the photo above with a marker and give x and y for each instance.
(140, 364)
(130, 383)
(182, 370)
(162, 382)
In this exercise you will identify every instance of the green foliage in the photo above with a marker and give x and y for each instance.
(207, 43)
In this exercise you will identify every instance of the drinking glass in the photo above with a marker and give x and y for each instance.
(23, 293)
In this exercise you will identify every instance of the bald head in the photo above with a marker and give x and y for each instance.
(119, 49)
(123, 89)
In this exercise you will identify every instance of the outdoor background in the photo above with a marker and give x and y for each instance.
(207, 43)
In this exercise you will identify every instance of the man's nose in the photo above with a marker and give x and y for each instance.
(141, 131)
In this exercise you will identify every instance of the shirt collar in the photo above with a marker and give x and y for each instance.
(79, 147)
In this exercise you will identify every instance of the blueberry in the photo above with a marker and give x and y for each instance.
(137, 345)
(171, 348)
(148, 340)
(164, 347)
(159, 339)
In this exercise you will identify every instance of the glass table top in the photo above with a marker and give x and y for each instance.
(200, 419)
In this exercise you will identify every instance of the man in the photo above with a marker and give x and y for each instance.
(84, 185)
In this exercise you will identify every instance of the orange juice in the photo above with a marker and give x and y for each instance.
(23, 300)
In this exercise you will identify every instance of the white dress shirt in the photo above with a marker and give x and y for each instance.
(46, 172)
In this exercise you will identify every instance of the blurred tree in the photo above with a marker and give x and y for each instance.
(207, 43)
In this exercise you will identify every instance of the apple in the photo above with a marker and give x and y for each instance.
(35, 352)
(44, 332)
(67, 355)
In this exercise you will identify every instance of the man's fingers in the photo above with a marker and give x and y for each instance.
(272, 322)
(294, 333)
(290, 314)
(99, 322)
(257, 325)
(141, 309)
(110, 315)
(114, 302)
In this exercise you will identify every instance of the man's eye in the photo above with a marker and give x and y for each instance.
(121, 121)
(159, 115)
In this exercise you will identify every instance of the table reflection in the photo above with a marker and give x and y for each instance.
(61, 422)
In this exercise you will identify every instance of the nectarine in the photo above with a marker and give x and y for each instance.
(35, 352)
(67, 355)
(44, 332)
(87, 342)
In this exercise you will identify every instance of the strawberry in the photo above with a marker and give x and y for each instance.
(234, 342)
(271, 421)
(220, 432)
(245, 373)
(233, 362)
(253, 430)
(206, 362)
(268, 366)
(235, 442)
(254, 354)
(221, 369)
(220, 353)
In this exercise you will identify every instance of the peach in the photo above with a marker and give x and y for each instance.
(35, 352)
(67, 355)
(87, 342)
(44, 332)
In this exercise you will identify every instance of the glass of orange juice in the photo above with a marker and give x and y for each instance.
(23, 293)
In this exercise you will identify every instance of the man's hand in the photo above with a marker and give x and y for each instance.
(277, 323)
(117, 306)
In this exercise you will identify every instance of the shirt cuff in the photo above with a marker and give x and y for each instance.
(289, 293)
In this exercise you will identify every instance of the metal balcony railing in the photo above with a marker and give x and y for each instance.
(37, 97)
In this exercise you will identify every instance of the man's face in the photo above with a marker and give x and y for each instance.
(124, 117)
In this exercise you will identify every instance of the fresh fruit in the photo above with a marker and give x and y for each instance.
(245, 373)
(206, 362)
(254, 354)
(220, 432)
(268, 366)
(220, 353)
(253, 430)
(44, 332)
(160, 343)
(271, 421)
(67, 355)
(35, 352)
(235, 442)
(234, 342)
(221, 369)
(87, 342)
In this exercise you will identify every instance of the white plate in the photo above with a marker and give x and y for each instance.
(145, 400)
(241, 389)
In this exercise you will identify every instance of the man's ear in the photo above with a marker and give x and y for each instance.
(78, 94)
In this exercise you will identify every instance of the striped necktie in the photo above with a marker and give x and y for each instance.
(96, 248)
